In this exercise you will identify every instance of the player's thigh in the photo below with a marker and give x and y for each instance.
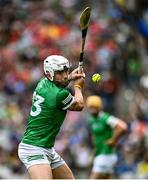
(103, 166)
(62, 172)
(36, 161)
(40, 171)
(97, 175)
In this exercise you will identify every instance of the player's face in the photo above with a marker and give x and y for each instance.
(93, 111)
(61, 78)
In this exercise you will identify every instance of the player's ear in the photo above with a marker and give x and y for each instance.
(48, 75)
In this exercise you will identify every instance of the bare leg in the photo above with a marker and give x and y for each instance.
(62, 172)
(40, 171)
(95, 175)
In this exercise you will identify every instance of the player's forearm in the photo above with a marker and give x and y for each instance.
(79, 98)
(78, 105)
(119, 131)
(78, 95)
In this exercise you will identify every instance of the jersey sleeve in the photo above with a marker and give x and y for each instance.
(64, 99)
(112, 121)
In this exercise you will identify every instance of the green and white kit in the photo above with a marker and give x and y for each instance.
(49, 107)
(48, 111)
(102, 130)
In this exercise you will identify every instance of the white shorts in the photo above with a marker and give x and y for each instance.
(104, 163)
(31, 155)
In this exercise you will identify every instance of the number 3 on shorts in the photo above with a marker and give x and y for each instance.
(37, 101)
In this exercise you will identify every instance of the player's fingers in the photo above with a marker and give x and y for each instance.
(77, 76)
(75, 70)
(83, 75)
(80, 75)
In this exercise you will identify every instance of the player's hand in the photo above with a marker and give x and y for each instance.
(79, 82)
(111, 142)
(75, 75)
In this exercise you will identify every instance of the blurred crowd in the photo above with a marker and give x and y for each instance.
(116, 47)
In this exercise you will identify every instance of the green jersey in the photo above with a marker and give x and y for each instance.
(102, 130)
(49, 107)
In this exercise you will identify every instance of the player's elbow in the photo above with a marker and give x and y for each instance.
(124, 127)
(80, 106)
(77, 106)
